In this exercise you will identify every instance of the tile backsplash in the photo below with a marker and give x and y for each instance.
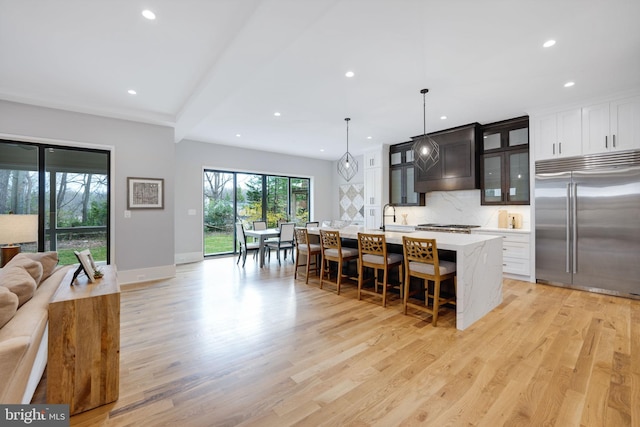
(459, 207)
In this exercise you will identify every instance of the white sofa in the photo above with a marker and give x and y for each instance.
(27, 284)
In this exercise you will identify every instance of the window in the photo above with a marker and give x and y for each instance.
(231, 197)
(69, 190)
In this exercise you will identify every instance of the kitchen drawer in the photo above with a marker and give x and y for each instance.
(516, 266)
(515, 249)
(515, 237)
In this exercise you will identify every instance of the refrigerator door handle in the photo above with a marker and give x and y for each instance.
(568, 229)
(575, 228)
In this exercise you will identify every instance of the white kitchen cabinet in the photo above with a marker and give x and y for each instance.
(373, 186)
(373, 159)
(557, 135)
(376, 185)
(516, 258)
(611, 126)
(372, 217)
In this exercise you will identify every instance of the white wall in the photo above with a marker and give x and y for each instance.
(143, 245)
(192, 157)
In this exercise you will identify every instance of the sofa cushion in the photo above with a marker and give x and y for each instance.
(34, 268)
(49, 261)
(17, 279)
(8, 305)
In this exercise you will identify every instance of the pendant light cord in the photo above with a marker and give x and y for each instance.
(347, 120)
(424, 111)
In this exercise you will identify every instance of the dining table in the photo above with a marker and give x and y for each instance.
(262, 236)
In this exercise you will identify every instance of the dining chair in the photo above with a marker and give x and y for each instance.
(421, 261)
(245, 246)
(284, 241)
(260, 225)
(332, 251)
(372, 253)
(312, 224)
(311, 251)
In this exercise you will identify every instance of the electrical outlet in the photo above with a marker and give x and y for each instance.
(127, 214)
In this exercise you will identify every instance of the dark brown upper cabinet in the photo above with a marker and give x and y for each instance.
(458, 167)
(504, 165)
(401, 176)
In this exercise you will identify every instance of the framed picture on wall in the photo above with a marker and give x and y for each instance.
(145, 193)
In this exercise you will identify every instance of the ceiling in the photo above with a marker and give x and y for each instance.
(217, 69)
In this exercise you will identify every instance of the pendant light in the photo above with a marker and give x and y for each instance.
(426, 152)
(347, 165)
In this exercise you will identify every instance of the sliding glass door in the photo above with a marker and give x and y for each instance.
(231, 197)
(68, 188)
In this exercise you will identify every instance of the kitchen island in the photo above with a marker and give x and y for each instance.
(478, 267)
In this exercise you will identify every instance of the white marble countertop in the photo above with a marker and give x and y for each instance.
(448, 241)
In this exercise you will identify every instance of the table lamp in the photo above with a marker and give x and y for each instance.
(16, 229)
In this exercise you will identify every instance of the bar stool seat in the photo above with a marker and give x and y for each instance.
(422, 261)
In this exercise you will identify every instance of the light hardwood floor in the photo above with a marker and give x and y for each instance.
(219, 345)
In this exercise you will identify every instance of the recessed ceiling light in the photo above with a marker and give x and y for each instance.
(148, 14)
(277, 114)
(369, 137)
(238, 135)
(443, 117)
(349, 74)
(322, 150)
(131, 92)
(549, 43)
(569, 84)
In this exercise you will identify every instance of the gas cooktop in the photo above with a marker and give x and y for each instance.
(451, 228)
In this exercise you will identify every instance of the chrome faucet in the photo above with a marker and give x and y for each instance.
(384, 215)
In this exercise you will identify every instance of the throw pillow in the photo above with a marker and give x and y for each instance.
(8, 305)
(18, 280)
(34, 268)
(49, 261)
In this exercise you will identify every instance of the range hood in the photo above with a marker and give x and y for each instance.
(459, 164)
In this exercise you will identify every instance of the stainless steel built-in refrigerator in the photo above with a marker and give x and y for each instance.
(587, 222)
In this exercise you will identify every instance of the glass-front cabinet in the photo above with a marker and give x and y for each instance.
(505, 163)
(401, 177)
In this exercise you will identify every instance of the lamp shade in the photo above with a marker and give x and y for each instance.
(18, 229)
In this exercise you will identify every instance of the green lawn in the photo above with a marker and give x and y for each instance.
(66, 256)
(218, 242)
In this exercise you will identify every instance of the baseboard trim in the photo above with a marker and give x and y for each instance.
(146, 274)
(188, 257)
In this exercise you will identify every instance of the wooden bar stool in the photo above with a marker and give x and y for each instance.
(372, 249)
(332, 250)
(421, 261)
(309, 250)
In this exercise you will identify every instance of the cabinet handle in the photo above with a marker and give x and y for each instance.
(606, 141)
(614, 141)
(554, 149)
(559, 147)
